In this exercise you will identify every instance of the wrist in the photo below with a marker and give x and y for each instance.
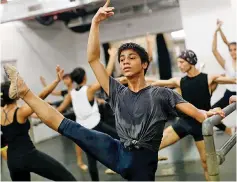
(95, 22)
(57, 80)
(112, 55)
(204, 116)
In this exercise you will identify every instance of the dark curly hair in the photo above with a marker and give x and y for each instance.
(5, 99)
(138, 49)
(77, 75)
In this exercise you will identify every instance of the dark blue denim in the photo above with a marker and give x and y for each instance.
(132, 164)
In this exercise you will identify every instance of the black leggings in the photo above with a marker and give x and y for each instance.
(39, 163)
(222, 103)
(92, 162)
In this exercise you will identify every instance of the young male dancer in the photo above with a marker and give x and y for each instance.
(140, 110)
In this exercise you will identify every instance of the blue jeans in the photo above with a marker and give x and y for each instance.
(132, 164)
(92, 162)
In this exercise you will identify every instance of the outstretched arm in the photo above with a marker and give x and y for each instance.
(215, 52)
(25, 110)
(149, 47)
(199, 115)
(112, 58)
(171, 83)
(149, 80)
(93, 47)
(222, 34)
(123, 80)
(43, 82)
(66, 102)
(224, 37)
(225, 80)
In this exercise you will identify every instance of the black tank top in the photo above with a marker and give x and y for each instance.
(195, 90)
(17, 137)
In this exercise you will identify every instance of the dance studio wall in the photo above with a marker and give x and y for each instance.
(163, 21)
(38, 49)
(199, 24)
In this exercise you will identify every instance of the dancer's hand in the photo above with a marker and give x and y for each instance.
(103, 13)
(232, 99)
(43, 81)
(112, 51)
(59, 73)
(215, 111)
(219, 24)
(148, 38)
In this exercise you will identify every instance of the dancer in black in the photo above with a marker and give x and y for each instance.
(23, 157)
(195, 88)
(3, 147)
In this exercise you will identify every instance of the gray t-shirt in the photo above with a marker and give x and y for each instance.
(140, 117)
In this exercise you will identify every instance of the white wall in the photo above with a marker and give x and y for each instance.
(199, 23)
(39, 49)
(163, 21)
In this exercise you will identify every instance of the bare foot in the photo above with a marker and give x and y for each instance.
(228, 131)
(18, 88)
(162, 158)
(109, 171)
(82, 166)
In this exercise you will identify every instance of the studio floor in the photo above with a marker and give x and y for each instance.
(183, 165)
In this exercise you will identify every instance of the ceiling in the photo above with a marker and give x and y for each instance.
(126, 8)
(79, 13)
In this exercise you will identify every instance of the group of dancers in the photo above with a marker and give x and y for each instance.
(141, 108)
